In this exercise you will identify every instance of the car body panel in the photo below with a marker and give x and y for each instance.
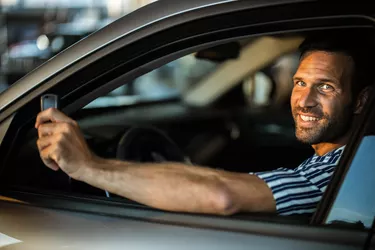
(72, 230)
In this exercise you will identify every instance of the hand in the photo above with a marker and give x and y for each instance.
(61, 144)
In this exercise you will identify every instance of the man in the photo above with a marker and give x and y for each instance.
(329, 91)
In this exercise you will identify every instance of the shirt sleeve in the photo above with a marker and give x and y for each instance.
(298, 191)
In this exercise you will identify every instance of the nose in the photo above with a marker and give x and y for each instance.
(308, 98)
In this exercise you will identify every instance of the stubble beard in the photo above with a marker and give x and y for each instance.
(328, 129)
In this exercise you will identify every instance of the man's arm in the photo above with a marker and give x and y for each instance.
(167, 186)
(179, 187)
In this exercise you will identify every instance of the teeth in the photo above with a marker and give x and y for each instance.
(308, 118)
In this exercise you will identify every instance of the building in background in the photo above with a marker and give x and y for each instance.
(32, 31)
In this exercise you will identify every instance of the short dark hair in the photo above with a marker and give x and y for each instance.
(357, 44)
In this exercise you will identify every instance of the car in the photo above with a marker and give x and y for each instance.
(202, 82)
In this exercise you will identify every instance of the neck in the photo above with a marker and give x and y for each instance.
(325, 147)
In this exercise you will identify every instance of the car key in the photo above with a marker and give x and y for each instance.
(49, 101)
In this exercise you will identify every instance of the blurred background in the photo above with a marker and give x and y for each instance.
(32, 31)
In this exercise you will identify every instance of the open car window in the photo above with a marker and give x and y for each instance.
(217, 128)
(252, 115)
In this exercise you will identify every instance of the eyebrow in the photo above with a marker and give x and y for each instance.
(330, 80)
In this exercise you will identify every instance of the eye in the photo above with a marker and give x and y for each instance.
(326, 87)
(300, 83)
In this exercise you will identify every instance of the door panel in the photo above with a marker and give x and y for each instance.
(40, 228)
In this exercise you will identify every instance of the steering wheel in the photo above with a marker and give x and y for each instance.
(140, 144)
(148, 144)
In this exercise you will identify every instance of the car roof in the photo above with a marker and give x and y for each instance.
(128, 24)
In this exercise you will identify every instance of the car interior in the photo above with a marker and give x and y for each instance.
(225, 107)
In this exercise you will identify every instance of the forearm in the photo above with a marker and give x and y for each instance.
(167, 186)
(179, 187)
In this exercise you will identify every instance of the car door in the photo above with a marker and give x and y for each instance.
(41, 219)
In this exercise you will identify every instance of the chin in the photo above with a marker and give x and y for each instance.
(307, 141)
(308, 138)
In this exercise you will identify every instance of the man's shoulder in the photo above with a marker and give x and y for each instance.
(331, 158)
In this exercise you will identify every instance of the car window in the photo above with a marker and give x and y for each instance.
(355, 202)
(252, 115)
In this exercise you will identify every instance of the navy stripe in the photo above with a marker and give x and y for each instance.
(301, 211)
(291, 185)
(281, 176)
(323, 183)
(317, 165)
(314, 174)
(302, 183)
(300, 196)
(298, 207)
(318, 172)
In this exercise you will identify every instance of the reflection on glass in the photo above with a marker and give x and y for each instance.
(355, 202)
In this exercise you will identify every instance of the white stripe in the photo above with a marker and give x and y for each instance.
(271, 173)
(297, 190)
(297, 202)
(283, 181)
(300, 211)
(325, 167)
(323, 176)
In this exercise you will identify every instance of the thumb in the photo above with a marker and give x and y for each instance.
(52, 115)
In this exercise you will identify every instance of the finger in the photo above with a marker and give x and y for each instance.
(48, 129)
(52, 115)
(47, 156)
(51, 147)
(44, 142)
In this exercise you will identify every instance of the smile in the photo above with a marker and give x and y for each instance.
(309, 118)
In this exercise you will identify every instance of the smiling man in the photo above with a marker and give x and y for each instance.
(330, 90)
(322, 99)
(331, 85)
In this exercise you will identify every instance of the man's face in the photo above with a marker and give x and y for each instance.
(321, 98)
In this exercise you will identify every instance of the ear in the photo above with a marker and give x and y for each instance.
(362, 99)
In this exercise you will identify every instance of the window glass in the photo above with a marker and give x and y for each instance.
(355, 202)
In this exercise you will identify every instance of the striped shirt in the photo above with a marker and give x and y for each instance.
(299, 190)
